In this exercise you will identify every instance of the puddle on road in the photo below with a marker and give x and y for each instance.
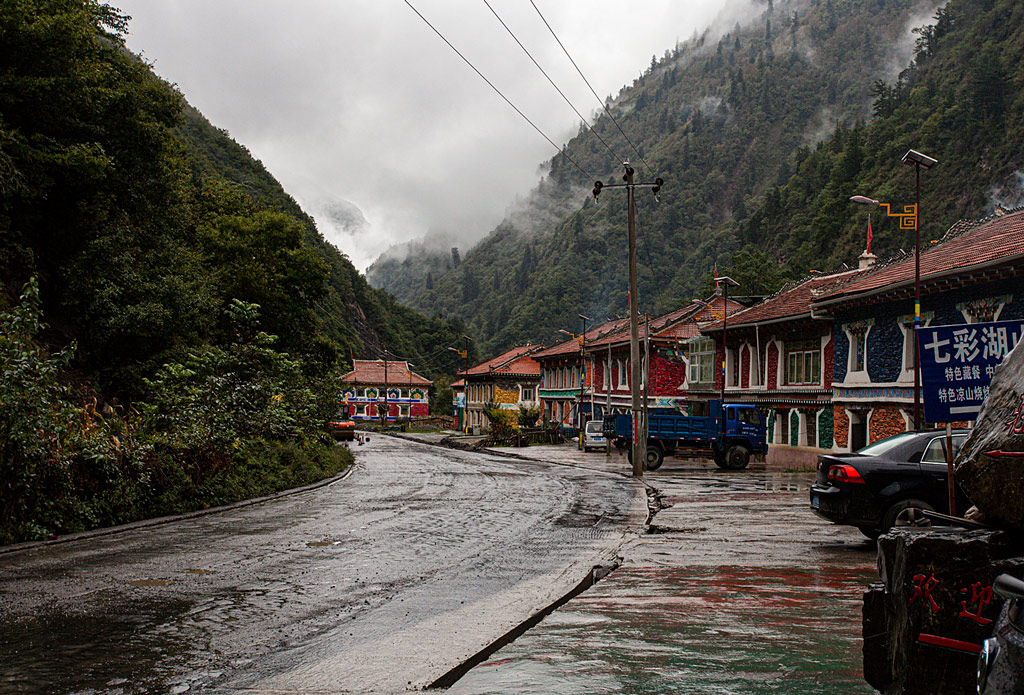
(64, 653)
(720, 631)
(150, 582)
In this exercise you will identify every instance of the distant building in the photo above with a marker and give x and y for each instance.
(365, 386)
(779, 356)
(975, 274)
(564, 377)
(680, 358)
(511, 381)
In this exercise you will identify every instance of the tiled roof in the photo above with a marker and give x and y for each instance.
(993, 241)
(792, 301)
(372, 372)
(572, 346)
(678, 324)
(518, 360)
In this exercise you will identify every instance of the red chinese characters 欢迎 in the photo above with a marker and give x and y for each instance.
(1015, 425)
(981, 596)
(923, 587)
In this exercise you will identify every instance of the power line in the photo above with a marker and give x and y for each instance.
(560, 92)
(498, 91)
(592, 91)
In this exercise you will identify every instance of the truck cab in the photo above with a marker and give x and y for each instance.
(744, 429)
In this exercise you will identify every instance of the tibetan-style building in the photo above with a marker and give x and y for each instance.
(511, 381)
(372, 383)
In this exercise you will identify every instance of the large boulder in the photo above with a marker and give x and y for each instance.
(990, 465)
(925, 621)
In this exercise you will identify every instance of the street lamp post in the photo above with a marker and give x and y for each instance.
(910, 218)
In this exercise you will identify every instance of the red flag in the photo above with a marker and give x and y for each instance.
(716, 270)
(869, 234)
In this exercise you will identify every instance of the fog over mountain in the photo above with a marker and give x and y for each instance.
(360, 106)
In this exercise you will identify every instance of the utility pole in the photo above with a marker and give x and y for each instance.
(384, 417)
(647, 370)
(608, 398)
(583, 379)
(724, 283)
(639, 448)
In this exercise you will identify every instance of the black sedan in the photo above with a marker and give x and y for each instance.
(887, 483)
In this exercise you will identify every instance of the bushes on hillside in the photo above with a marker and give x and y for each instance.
(221, 424)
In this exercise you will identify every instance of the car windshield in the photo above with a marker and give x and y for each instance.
(594, 426)
(886, 445)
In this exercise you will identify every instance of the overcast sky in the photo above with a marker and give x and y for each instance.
(360, 101)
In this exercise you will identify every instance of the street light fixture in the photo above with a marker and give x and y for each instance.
(910, 218)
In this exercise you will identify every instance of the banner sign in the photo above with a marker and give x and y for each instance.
(957, 363)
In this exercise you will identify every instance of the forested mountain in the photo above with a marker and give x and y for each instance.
(142, 222)
(172, 325)
(761, 133)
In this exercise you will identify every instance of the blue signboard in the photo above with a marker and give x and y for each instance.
(957, 363)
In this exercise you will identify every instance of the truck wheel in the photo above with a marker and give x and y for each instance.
(655, 456)
(737, 457)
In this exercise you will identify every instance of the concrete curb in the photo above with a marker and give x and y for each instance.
(165, 520)
(452, 676)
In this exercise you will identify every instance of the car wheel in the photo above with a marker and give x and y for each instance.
(737, 457)
(907, 514)
(870, 532)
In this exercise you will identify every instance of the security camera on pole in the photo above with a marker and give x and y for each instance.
(639, 446)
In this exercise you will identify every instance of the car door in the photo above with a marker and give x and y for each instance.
(935, 471)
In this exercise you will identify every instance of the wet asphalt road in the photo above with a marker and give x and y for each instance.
(376, 584)
(741, 590)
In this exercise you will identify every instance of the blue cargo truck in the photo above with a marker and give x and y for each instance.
(669, 430)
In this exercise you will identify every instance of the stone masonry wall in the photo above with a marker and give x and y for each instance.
(719, 356)
(841, 354)
(885, 422)
(828, 368)
(773, 366)
(840, 426)
(666, 376)
(885, 351)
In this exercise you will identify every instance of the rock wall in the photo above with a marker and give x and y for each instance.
(924, 623)
(987, 468)
(666, 376)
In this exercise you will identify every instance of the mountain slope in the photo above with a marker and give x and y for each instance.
(143, 223)
(760, 138)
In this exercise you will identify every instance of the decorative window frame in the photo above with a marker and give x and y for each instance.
(906, 325)
(802, 349)
(985, 309)
(857, 331)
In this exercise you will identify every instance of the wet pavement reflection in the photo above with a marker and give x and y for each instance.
(379, 583)
(740, 590)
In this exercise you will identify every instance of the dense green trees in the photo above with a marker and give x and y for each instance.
(151, 242)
